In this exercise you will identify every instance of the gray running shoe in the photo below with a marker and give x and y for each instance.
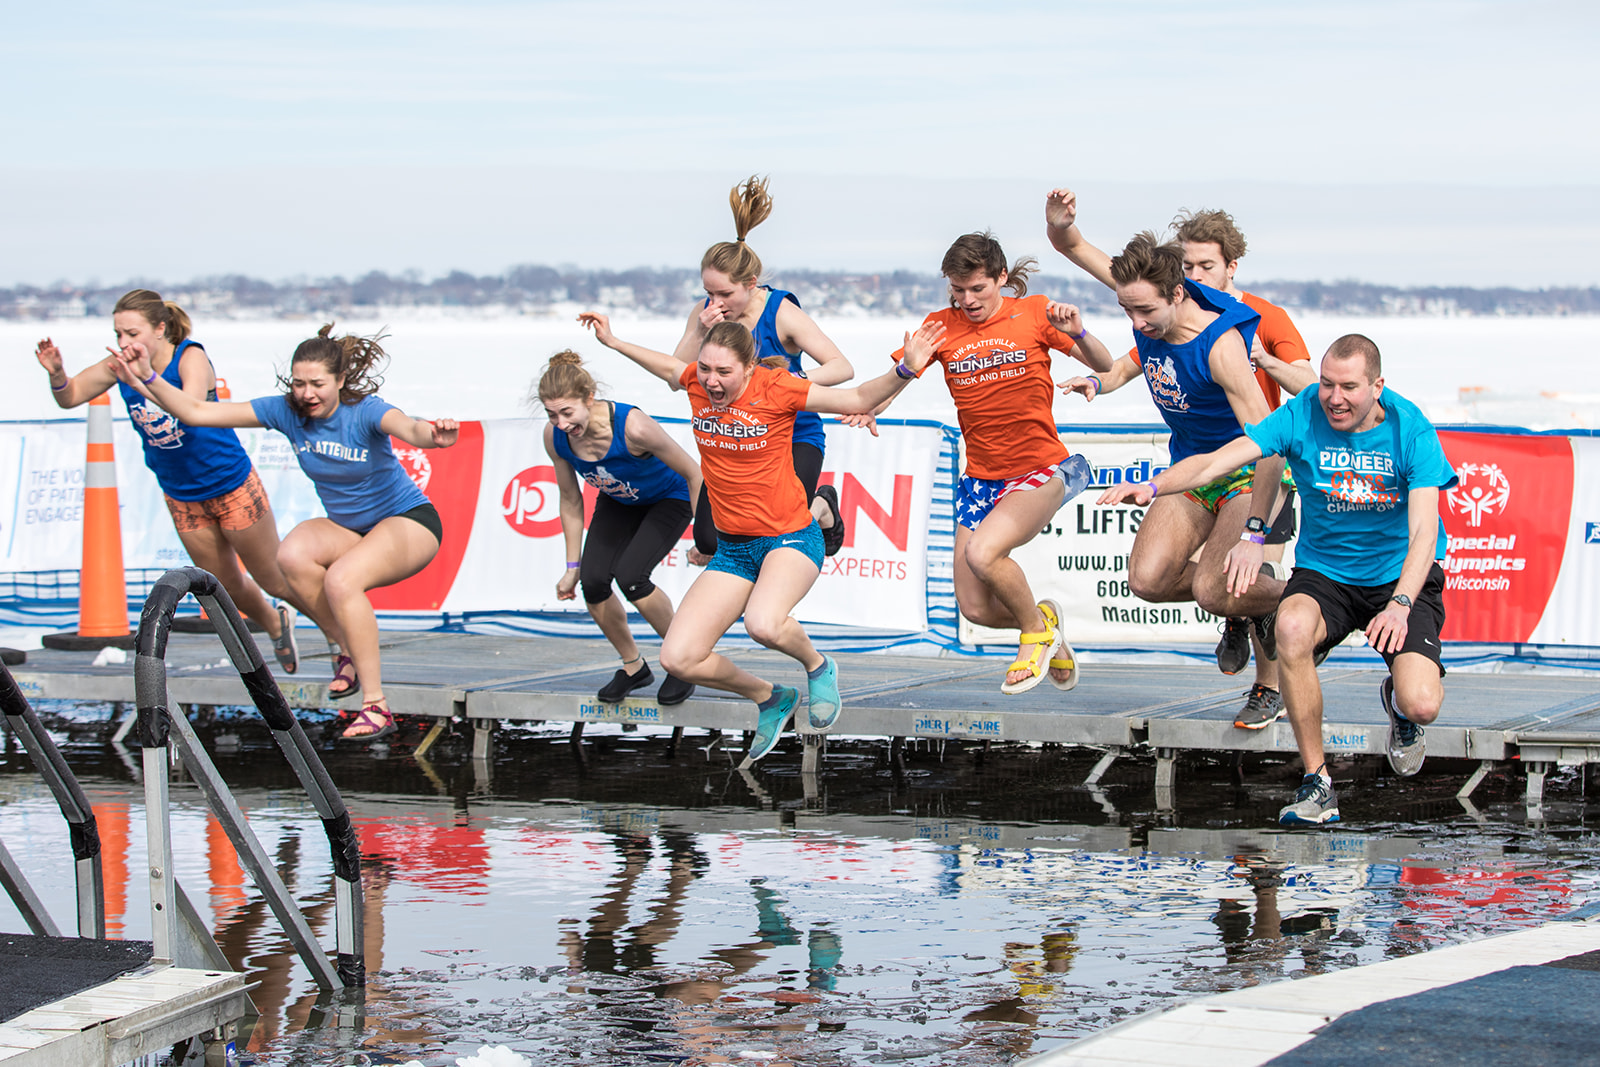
(1267, 633)
(1233, 651)
(1407, 746)
(1262, 707)
(771, 723)
(284, 647)
(1313, 805)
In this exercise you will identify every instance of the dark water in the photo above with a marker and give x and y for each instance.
(633, 906)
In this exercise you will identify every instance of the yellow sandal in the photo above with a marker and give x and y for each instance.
(1066, 659)
(1044, 646)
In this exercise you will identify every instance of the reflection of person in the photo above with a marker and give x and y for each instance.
(213, 493)
(995, 353)
(770, 549)
(730, 272)
(379, 529)
(1369, 468)
(645, 482)
(1192, 350)
(1212, 247)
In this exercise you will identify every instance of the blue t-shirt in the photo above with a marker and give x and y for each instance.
(1355, 525)
(638, 481)
(1193, 405)
(348, 458)
(189, 462)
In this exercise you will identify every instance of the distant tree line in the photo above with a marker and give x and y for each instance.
(532, 288)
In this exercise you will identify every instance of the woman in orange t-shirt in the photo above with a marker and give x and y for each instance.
(769, 549)
(995, 351)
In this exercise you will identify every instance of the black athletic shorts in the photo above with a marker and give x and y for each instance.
(425, 515)
(1348, 608)
(1282, 530)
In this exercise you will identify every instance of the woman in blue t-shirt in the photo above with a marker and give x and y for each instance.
(645, 481)
(213, 493)
(380, 528)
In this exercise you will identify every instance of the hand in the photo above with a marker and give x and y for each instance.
(445, 432)
(1079, 385)
(1242, 566)
(697, 558)
(1061, 209)
(1122, 492)
(49, 357)
(134, 360)
(921, 346)
(1387, 631)
(861, 422)
(601, 327)
(1065, 317)
(567, 587)
(711, 314)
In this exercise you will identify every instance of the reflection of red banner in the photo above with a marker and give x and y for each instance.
(449, 476)
(1507, 526)
(444, 857)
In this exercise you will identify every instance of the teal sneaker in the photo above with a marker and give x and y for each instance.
(822, 696)
(772, 722)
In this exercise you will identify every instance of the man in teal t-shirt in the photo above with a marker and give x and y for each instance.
(1369, 468)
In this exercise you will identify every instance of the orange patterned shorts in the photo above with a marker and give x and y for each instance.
(238, 510)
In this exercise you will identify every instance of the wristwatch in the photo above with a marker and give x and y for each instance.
(1401, 599)
(1255, 525)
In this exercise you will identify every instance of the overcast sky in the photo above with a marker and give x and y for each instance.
(1401, 141)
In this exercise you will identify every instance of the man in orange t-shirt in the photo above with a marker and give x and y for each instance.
(1212, 248)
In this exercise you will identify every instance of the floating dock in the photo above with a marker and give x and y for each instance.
(1541, 720)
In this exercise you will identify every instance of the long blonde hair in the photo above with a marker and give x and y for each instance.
(751, 206)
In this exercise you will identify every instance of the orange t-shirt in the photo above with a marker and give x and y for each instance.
(998, 373)
(1277, 335)
(746, 453)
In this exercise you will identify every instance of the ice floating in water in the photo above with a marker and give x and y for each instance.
(498, 1056)
(110, 657)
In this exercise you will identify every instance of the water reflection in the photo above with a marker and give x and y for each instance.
(637, 906)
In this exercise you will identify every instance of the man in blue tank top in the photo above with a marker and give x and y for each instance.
(1369, 468)
(1192, 349)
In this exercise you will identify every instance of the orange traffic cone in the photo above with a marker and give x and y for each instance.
(102, 584)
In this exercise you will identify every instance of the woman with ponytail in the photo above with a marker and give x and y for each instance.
(731, 274)
(645, 481)
(380, 528)
(213, 493)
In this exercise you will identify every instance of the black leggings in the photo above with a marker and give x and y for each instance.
(807, 464)
(625, 543)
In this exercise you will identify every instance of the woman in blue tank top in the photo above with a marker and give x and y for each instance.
(380, 528)
(730, 271)
(213, 493)
(645, 481)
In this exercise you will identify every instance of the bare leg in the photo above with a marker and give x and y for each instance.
(786, 576)
(1211, 578)
(1418, 687)
(713, 604)
(1300, 629)
(1159, 570)
(612, 619)
(257, 548)
(209, 549)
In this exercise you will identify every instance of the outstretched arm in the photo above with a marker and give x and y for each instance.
(1086, 347)
(1121, 373)
(800, 333)
(1061, 226)
(419, 433)
(663, 366)
(872, 395)
(132, 367)
(71, 390)
(646, 437)
(1192, 472)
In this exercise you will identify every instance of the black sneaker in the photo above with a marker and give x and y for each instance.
(1262, 707)
(1267, 634)
(1313, 805)
(622, 683)
(674, 690)
(832, 536)
(1233, 651)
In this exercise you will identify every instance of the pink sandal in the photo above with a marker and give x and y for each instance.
(344, 670)
(375, 720)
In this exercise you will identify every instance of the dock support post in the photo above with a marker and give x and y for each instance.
(897, 754)
(672, 745)
(1484, 767)
(1535, 798)
(1103, 764)
(34, 913)
(811, 752)
(1166, 771)
(483, 738)
(435, 732)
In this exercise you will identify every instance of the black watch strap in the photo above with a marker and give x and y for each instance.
(1401, 599)
(1255, 525)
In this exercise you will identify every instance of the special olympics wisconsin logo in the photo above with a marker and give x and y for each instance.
(415, 462)
(1481, 489)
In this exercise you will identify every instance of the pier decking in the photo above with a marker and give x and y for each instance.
(1541, 719)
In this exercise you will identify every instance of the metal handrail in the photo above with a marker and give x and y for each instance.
(74, 804)
(157, 726)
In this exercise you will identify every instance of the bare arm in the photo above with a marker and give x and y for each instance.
(1188, 474)
(873, 395)
(133, 368)
(646, 437)
(1387, 631)
(194, 370)
(570, 499)
(1086, 347)
(1231, 370)
(667, 368)
(1121, 373)
(71, 390)
(1061, 226)
(1291, 375)
(800, 333)
(419, 433)
(694, 335)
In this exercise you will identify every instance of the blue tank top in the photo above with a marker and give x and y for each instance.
(1194, 406)
(621, 475)
(189, 462)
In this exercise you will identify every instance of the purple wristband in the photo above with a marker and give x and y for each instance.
(153, 376)
(1080, 334)
(571, 566)
(1153, 491)
(904, 371)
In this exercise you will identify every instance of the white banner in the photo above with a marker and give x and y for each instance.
(1569, 616)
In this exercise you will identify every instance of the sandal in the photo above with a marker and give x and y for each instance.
(344, 670)
(375, 720)
(1044, 647)
(1065, 658)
